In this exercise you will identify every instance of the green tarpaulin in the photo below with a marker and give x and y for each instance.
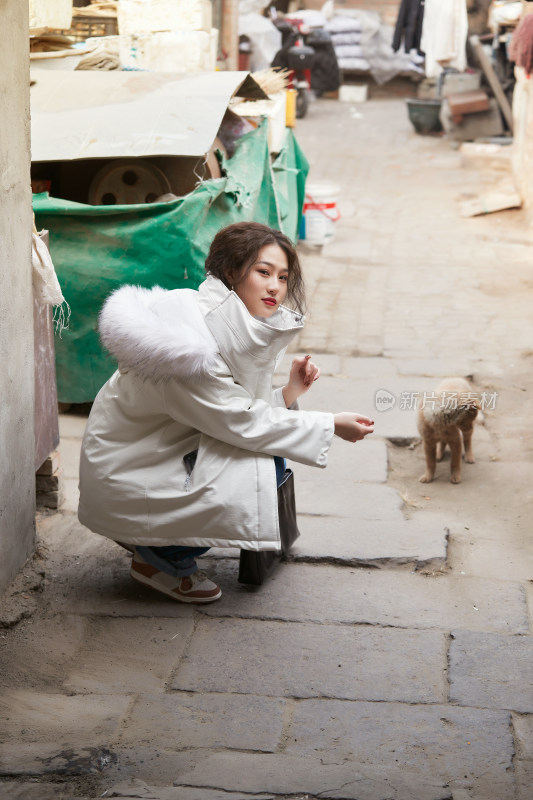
(96, 249)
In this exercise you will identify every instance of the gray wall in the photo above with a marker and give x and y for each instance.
(17, 471)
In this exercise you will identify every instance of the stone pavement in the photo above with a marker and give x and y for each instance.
(390, 657)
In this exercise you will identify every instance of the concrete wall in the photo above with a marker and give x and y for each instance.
(51, 14)
(17, 471)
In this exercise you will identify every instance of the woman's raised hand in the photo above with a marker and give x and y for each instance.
(352, 427)
(301, 377)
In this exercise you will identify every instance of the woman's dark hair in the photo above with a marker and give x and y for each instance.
(234, 250)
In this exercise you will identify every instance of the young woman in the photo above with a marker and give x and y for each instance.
(185, 441)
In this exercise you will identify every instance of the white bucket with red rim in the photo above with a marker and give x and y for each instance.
(320, 213)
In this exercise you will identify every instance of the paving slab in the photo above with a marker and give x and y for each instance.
(160, 769)
(345, 497)
(90, 574)
(210, 719)
(389, 402)
(71, 494)
(154, 646)
(303, 660)
(345, 247)
(70, 457)
(32, 715)
(343, 781)
(343, 367)
(135, 788)
(368, 367)
(37, 654)
(435, 367)
(329, 363)
(469, 748)
(26, 790)
(491, 671)
(370, 543)
(324, 593)
(524, 778)
(366, 461)
(48, 759)
(529, 594)
(57, 733)
(103, 586)
(72, 425)
(377, 750)
(62, 532)
(485, 553)
(523, 732)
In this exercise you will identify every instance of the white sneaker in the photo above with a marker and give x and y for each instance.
(195, 588)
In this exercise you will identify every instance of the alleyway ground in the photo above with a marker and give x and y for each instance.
(337, 679)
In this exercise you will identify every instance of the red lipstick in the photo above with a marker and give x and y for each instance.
(269, 301)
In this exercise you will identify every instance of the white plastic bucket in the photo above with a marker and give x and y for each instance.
(320, 213)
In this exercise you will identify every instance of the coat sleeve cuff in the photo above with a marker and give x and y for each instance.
(329, 432)
(279, 402)
(277, 398)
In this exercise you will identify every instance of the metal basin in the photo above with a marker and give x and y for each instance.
(424, 115)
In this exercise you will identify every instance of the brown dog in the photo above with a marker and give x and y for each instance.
(446, 417)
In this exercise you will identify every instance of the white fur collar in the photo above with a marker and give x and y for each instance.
(157, 333)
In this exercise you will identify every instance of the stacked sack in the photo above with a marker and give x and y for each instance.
(364, 44)
(167, 35)
(346, 35)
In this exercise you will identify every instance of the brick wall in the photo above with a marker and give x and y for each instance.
(388, 9)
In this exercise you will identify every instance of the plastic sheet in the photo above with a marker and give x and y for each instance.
(264, 36)
(363, 43)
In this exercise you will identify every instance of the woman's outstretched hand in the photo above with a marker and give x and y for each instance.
(352, 427)
(301, 377)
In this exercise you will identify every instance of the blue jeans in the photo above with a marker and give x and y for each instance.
(173, 559)
(180, 561)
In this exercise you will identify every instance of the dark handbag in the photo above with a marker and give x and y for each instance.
(254, 566)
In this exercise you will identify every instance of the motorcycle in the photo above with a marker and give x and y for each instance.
(296, 56)
(310, 55)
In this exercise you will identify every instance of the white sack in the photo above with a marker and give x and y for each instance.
(46, 288)
(265, 39)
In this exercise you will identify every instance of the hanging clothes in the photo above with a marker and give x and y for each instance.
(444, 33)
(521, 48)
(409, 26)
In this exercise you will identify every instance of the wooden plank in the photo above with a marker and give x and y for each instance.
(492, 78)
(503, 196)
(468, 102)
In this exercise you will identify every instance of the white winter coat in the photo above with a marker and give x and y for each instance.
(195, 373)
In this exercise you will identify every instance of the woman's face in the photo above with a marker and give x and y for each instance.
(265, 286)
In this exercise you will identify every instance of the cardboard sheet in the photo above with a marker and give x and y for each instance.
(118, 114)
